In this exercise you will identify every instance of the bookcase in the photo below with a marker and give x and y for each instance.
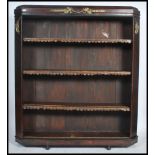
(76, 75)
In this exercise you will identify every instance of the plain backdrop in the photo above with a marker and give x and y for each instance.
(139, 147)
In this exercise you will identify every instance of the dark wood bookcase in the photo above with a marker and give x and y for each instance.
(76, 75)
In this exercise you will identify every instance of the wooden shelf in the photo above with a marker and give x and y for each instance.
(74, 73)
(72, 135)
(75, 107)
(64, 40)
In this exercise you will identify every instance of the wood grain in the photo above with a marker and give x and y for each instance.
(75, 73)
(61, 40)
(76, 107)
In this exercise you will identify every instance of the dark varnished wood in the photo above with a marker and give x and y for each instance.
(75, 57)
(87, 90)
(76, 75)
(135, 75)
(76, 135)
(46, 10)
(75, 107)
(76, 121)
(89, 41)
(78, 142)
(18, 80)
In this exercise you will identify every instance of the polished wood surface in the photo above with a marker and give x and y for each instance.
(95, 41)
(73, 107)
(76, 75)
(70, 72)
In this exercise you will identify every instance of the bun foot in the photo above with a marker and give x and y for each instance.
(108, 148)
(47, 147)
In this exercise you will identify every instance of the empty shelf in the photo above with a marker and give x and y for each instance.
(75, 73)
(73, 134)
(75, 107)
(64, 40)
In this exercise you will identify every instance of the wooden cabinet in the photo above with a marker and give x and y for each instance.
(76, 75)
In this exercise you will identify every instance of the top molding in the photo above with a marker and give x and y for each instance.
(41, 10)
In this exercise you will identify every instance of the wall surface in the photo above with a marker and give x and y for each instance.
(139, 147)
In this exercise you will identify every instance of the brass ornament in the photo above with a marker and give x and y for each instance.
(17, 27)
(136, 28)
(87, 10)
(69, 10)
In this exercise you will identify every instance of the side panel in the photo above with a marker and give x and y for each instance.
(18, 75)
(135, 75)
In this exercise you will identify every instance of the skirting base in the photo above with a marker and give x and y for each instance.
(47, 143)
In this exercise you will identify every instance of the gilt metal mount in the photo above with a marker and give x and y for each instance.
(17, 26)
(69, 10)
(136, 28)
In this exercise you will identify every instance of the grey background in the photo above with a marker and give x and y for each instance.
(139, 147)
